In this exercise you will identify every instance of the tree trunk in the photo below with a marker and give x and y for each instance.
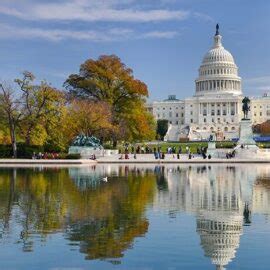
(13, 139)
(28, 136)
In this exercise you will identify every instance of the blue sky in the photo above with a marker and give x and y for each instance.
(163, 41)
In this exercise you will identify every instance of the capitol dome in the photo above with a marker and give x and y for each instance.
(218, 73)
(218, 54)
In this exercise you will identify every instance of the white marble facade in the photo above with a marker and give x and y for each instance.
(216, 106)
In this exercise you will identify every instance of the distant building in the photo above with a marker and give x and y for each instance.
(216, 106)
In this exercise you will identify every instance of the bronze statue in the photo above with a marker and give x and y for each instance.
(246, 107)
(217, 29)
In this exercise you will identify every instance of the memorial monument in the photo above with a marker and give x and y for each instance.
(211, 148)
(87, 147)
(245, 131)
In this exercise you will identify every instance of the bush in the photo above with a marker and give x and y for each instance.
(26, 151)
(109, 146)
(72, 156)
(23, 151)
(5, 151)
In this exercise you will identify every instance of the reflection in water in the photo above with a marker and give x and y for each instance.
(222, 199)
(103, 219)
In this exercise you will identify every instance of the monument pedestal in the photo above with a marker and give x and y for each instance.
(211, 149)
(246, 134)
(246, 146)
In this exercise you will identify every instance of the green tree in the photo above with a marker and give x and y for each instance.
(41, 108)
(162, 128)
(10, 113)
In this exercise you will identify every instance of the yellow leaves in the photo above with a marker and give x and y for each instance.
(91, 118)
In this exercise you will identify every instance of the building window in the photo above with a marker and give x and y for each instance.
(191, 112)
(204, 112)
(260, 113)
(226, 129)
(176, 122)
(218, 112)
(191, 120)
(233, 128)
(204, 120)
(170, 114)
(176, 114)
(212, 112)
(182, 115)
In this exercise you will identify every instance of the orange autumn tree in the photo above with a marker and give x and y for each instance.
(109, 81)
(89, 118)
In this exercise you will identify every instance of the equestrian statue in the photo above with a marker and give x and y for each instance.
(245, 107)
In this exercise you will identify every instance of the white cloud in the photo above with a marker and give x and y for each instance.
(203, 17)
(91, 11)
(113, 34)
(161, 34)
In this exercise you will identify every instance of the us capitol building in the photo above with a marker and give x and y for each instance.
(216, 106)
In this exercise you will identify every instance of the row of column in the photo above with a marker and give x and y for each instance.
(218, 85)
(206, 109)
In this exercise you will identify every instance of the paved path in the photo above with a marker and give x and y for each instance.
(149, 158)
(46, 162)
(140, 159)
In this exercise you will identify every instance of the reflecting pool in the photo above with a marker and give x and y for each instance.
(144, 217)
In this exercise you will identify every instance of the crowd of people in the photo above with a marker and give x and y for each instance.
(158, 153)
(45, 155)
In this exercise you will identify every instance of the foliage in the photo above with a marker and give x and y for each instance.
(109, 81)
(24, 151)
(263, 128)
(162, 128)
(104, 100)
(90, 118)
(41, 109)
(73, 156)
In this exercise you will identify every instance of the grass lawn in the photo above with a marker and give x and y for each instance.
(192, 145)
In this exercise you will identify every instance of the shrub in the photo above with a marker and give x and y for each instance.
(73, 156)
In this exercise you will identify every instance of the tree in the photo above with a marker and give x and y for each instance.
(109, 80)
(90, 118)
(10, 111)
(162, 128)
(263, 128)
(41, 106)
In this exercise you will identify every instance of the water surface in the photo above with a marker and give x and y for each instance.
(144, 217)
